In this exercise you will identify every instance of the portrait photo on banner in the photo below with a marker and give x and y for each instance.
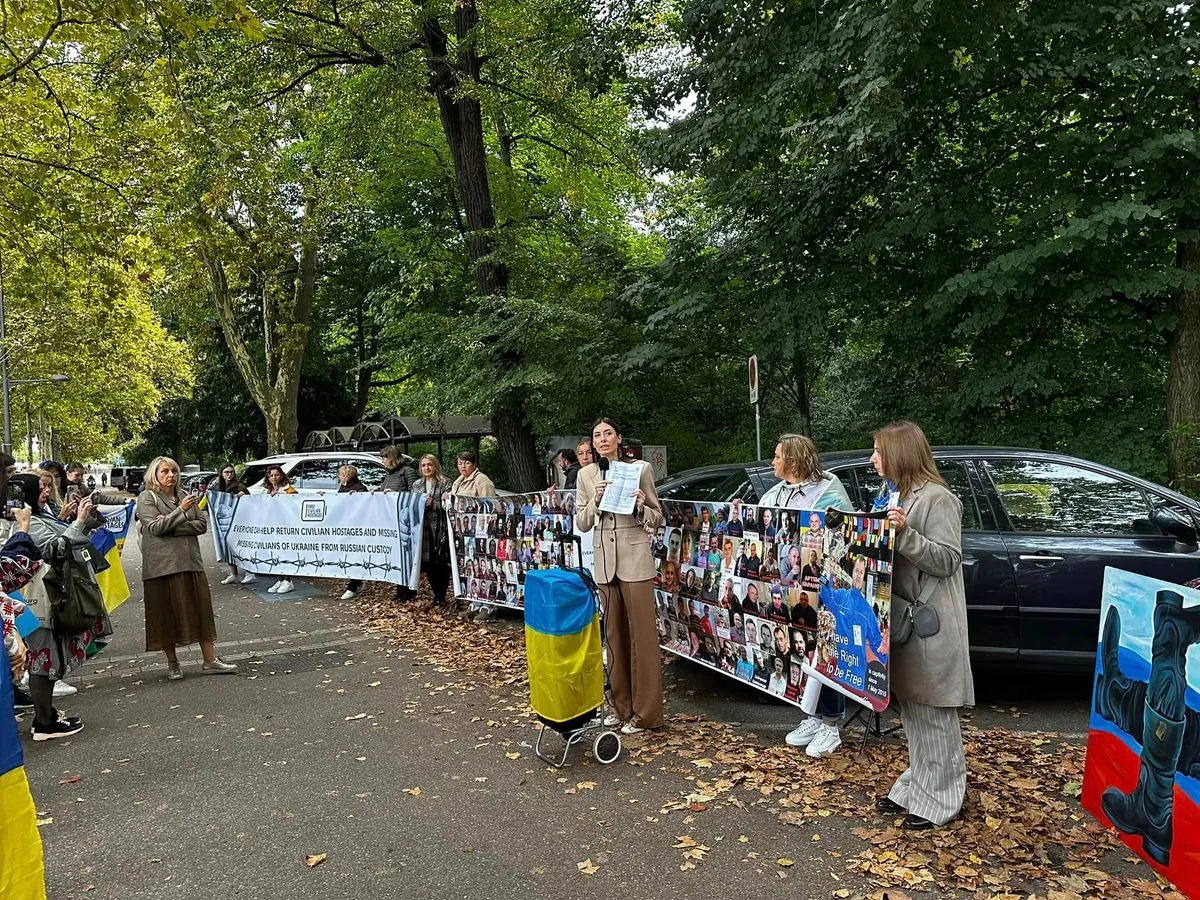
(773, 596)
(496, 541)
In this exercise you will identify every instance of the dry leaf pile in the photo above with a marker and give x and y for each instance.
(1022, 832)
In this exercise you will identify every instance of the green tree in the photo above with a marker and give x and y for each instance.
(991, 214)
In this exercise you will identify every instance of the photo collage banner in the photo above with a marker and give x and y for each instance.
(496, 541)
(773, 596)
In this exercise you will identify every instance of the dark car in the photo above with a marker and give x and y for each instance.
(1038, 530)
(129, 478)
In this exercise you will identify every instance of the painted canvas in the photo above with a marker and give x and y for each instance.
(1142, 775)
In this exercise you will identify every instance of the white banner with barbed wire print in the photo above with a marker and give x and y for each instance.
(369, 537)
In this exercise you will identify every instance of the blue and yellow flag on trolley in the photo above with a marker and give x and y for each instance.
(108, 543)
(562, 645)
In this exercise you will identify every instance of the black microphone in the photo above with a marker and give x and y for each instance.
(603, 464)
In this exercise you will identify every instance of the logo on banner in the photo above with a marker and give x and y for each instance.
(312, 511)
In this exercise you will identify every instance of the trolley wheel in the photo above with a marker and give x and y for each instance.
(606, 748)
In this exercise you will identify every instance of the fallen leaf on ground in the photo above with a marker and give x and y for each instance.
(314, 859)
(414, 791)
(785, 862)
(587, 867)
(71, 780)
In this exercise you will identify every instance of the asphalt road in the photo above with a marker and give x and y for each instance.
(413, 781)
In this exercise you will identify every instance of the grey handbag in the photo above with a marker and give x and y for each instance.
(915, 617)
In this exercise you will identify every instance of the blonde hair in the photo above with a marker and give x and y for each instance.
(800, 456)
(152, 473)
(437, 466)
(907, 457)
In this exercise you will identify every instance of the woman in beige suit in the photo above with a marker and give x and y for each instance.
(624, 572)
(931, 676)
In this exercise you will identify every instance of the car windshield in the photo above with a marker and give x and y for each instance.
(253, 474)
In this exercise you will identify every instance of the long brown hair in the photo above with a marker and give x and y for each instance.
(907, 458)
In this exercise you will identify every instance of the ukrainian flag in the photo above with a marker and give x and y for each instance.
(108, 543)
(22, 875)
(562, 645)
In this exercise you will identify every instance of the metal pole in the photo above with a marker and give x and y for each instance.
(757, 433)
(29, 431)
(7, 446)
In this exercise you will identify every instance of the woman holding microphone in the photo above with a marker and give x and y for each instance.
(624, 572)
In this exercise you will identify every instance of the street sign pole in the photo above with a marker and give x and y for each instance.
(752, 372)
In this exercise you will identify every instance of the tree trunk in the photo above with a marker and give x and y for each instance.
(282, 425)
(517, 446)
(1183, 379)
(275, 383)
(800, 376)
(462, 122)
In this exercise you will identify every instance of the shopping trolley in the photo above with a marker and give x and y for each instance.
(563, 630)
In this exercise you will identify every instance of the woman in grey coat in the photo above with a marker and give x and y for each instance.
(930, 677)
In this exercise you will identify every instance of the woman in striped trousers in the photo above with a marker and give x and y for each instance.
(930, 676)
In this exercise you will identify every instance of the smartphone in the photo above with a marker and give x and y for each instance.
(14, 499)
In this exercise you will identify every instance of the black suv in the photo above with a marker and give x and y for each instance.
(1038, 530)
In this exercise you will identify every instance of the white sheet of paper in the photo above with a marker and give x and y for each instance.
(623, 480)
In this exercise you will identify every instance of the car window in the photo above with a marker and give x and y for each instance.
(370, 472)
(700, 489)
(315, 474)
(867, 484)
(736, 487)
(253, 474)
(1055, 497)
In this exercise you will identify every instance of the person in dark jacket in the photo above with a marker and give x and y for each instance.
(348, 476)
(435, 541)
(400, 475)
(568, 461)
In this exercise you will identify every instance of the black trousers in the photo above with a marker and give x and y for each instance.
(438, 573)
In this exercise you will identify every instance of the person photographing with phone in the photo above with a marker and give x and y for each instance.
(624, 572)
(56, 647)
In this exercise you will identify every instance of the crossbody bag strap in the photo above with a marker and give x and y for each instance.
(927, 590)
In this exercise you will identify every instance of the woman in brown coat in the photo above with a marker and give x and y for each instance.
(931, 676)
(178, 603)
(624, 572)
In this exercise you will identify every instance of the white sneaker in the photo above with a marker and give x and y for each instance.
(249, 578)
(348, 595)
(802, 735)
(284, 587)
(613, 720)
(229, 579)
(62, 689)
(275, 587)
(828, 739)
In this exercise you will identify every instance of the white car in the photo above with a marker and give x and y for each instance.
(311, 473)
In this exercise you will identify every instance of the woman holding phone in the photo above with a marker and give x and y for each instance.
(930, 676)
(624, 572)
(177, 598)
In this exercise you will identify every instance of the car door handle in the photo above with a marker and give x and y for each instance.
(1039, 557)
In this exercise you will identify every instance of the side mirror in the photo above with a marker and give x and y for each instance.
(1176, 524)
